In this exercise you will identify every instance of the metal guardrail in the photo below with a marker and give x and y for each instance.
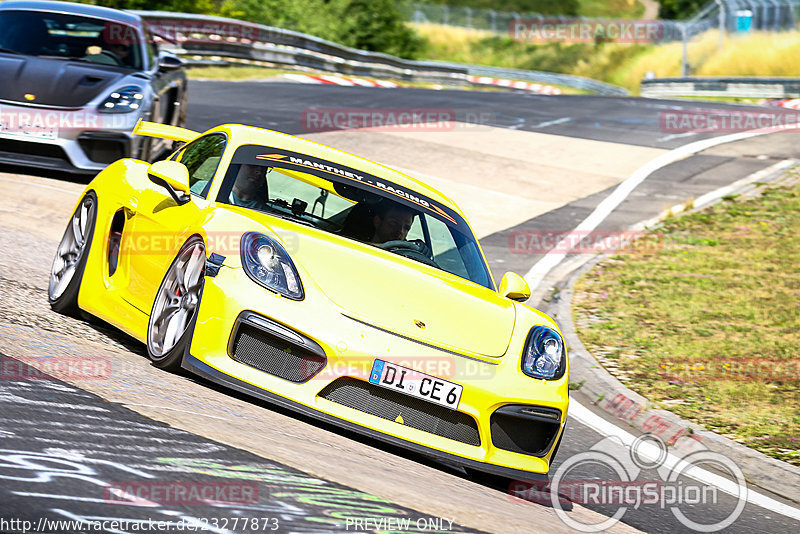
(203, 39)
(718, 86)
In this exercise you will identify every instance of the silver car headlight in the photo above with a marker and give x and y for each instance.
(124, 100)
(267, 263)
(543, 356)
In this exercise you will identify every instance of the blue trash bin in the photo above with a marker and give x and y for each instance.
(744, 19)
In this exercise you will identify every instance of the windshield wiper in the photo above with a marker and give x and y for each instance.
(9, 51)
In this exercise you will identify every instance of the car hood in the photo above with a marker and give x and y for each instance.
(54, 82)
(393, 293)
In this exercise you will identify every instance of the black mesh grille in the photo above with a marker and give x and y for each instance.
(416, 413)
(33, 149)
(522, 435)
(275, 356)
(103, 150)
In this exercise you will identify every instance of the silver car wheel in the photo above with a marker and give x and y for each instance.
(71, 249)
(177, 300)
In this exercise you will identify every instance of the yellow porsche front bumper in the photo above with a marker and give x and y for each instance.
(315, 357)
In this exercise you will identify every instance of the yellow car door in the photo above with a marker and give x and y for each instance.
(159, 225)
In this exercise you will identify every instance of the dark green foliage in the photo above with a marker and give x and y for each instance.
(545, 7)
(375, 25)
(679, 9)
(178, 6)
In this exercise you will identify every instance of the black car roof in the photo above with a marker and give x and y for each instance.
(105, 13)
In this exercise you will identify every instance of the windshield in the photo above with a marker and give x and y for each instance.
(43, 34)
(352, 204)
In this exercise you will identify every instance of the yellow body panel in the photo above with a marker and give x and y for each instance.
(360, 301)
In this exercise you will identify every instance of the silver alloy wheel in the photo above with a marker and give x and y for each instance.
(71, 249)
(177, 300)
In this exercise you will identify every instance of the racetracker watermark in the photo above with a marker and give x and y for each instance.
(116, 33)
(586, 31)
(761, 369)
(166, 243)
(43, 123)
(186, 30)
(393, 119)
(55, 368)
(581, 242)
(181, 493)
(444, 366)
(727, 120)
(613, 474)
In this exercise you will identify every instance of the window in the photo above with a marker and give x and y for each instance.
(202, 157)
(353, 205)
(152, 50)
(64, 36)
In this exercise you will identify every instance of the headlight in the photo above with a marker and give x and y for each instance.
(123, 100)
(543, 356)
(268, 264)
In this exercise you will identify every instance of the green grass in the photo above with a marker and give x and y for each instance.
(233, 73)
(615, 9)
(756, 54)
(684, 317)
(608, 62)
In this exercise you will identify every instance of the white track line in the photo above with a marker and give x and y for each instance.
(652, 452)
(545, 124)
(548, 262)
(540, 269)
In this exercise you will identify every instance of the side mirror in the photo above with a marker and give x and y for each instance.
(514, 287)
(167, 62)
(172, 176)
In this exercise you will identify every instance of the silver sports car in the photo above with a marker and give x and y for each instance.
(75, 79)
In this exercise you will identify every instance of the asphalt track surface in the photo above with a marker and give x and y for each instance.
(44, 426)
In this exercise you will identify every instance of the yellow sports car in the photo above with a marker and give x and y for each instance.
(322, 282)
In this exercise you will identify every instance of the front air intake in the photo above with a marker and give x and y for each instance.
(394, 406)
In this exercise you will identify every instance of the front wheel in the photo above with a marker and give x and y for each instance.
(175, 306)
(71, 256)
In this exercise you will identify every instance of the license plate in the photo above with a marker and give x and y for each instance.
(15, 126)
(416, 384)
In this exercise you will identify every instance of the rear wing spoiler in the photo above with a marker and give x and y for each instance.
(164, 131)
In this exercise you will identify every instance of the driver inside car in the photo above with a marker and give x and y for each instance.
(391, 222)
(250, 188)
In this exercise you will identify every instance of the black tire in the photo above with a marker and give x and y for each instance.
(161, 355)
(63, 295)
(182, 108)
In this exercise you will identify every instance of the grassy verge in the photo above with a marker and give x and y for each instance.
(608, 62)
(702, 318)
(756, 54)
(233, 73)
(613, 9)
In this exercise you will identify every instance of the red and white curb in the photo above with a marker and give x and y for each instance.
(512, 84)
(790, 103)
(338, 80)
(793, 103)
